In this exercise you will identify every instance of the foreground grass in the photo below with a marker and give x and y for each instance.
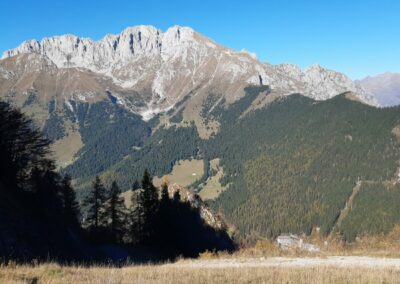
(53, 273)
(248, 265)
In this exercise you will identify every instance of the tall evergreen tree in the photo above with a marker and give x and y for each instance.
(176, 197)
(135, 185)
(164, 215)
(164, 201)
(71, 210)
(115, 212)
(94, 202)
(136, 217)
(21, 147)
(149, 199)
(45, 186)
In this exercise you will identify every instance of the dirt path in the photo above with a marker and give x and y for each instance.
(282, 262)
(346, 210)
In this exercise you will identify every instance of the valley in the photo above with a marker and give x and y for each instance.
(248, 148)
(154, 146)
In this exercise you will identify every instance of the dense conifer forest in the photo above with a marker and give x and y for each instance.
(289, 166)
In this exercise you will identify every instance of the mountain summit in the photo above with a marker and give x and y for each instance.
(148, 71)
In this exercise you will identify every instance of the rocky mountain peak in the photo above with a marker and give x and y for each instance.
(167, 66)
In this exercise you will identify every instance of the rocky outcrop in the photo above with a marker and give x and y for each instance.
(209, 216)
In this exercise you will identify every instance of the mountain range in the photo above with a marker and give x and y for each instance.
(385, 87)
(162, 66)
(280, 149)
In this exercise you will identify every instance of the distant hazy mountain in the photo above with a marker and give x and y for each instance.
(385, 87)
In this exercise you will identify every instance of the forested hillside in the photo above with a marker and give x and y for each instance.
(289, 166)
(293, 165)
(108, 133)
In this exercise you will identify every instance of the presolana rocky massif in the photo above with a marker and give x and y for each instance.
(157, 68)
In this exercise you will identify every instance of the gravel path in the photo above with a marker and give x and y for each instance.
(331, 261)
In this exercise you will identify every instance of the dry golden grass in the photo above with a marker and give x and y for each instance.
(64, 150)
(254, 264)
(184, 173)
(384, 245)
(250, 265)
(213, 188)
(52, 273)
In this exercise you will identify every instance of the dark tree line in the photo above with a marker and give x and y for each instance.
(169, 225)
(38, 209)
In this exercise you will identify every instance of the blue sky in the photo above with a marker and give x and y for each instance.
(356, 37)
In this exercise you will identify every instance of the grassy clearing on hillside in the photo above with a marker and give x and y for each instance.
(184, 173)
(66, 148)
(212, 187)
(53, 273)
(205, 127)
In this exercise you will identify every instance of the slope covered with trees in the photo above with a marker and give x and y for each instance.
(108, 132)
(41, 219)
(289, 166)
(293, 165)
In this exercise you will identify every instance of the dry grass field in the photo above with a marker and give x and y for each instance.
(64, 150)
(371, 260)
(184, 173)
(186, 273)
(213, 188)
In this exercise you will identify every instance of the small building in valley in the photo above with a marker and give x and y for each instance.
(291, 241)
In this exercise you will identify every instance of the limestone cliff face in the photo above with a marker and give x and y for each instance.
(160, 67)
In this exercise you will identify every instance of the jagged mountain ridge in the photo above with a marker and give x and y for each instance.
(166, 66)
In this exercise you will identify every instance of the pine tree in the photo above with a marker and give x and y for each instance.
(136, 216)
(176, 197)
(71, 210)
(115, 213)
(21, 147)
(94, 201)
(164, 215)
(135, 185)
(149, 199)
(164, 201)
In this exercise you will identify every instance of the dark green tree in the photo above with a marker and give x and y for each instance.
(164, 216)
(71, 209)
(136, 217)
(164, 201)
(176, 198)
(135, 185)
(115, 212)
(21, 147)
(94, 203)
(150, 202)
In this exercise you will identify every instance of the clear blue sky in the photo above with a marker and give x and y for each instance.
(356, 37)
